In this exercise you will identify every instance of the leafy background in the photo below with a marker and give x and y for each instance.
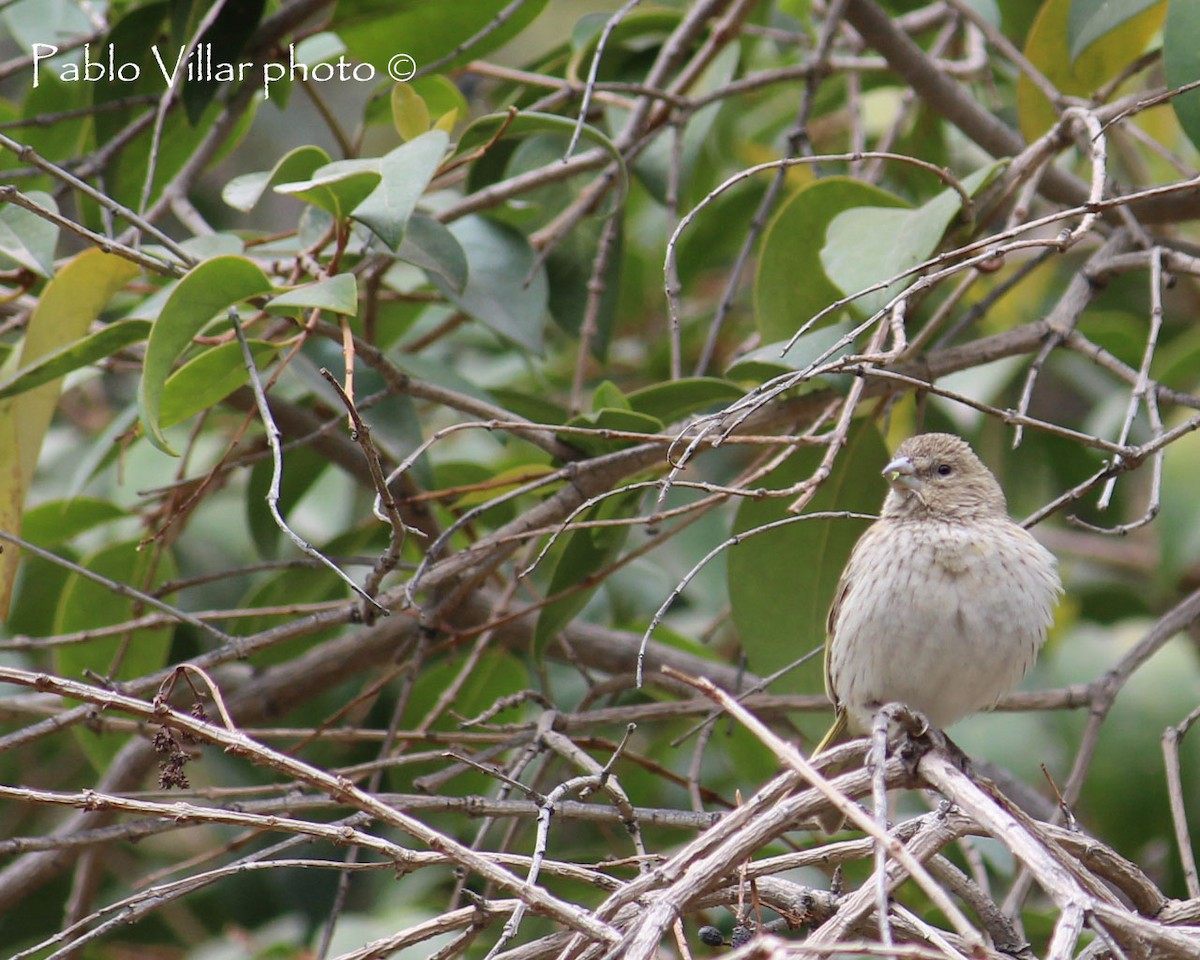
(383, 423)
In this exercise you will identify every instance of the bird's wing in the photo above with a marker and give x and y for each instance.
(839, 598)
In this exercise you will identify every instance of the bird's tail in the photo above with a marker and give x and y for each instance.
(836, 734)
(832, 821)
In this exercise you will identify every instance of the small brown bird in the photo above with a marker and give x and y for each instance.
(945, 600)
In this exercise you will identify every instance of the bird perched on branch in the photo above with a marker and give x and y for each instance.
(945, 600)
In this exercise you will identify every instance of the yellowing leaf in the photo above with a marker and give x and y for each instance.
(410, 113)
(69, 303)
(1048, 49)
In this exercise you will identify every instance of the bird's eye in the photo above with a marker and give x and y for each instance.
(944, 469)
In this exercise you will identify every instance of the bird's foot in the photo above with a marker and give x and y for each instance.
(910, 733)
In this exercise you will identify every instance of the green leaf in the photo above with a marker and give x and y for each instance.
(37, 595)
(782, 582)
(496, 677)
(317, 48)
(861, 246)
(430, 245)
(1048, 49)
(609, 418)
(68, 136)
(136, 38)
(243, 192)
(1179, 516)
(790, 284)
(1089, 20)
(222, 43)
(306, 585)
(570, 266)
(337, 294)
(769, 360)
(1178, 361)
(87, 605)
(663, 158)
(532, 123)
(534, 407)
(441, 96)
(338, 187)
(585, 552)
(375, 31)
(132, 34)
(26, 239)
(676, 399)
(208, 379)
(497, 294)
(26, 20)
(1181, 63)
(609, 395)
(404, 174)
(201, 248)
(302, 468)
(644, 28)
(209, 289)
(57, 521)
(103, 343)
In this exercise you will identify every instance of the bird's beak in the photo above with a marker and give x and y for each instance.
(902, 475)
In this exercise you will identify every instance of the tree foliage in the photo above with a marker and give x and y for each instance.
(431, 434)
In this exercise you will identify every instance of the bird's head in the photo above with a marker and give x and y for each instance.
(938, 475)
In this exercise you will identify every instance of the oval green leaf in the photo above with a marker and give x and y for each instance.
(430, 245)
(861, 247)
(676, 399)
(243, 193)
(410, 113)
(582, 553)
(1181, 62)
(209, 289)
(57, 521)
(208, 379)
(338, 187)
(782, 582)
(27, 239)
(338, 294)
(496, 293)
(86, 605)
(606, 419)
(790, 283)
(376, 31)
(531, 123)
(404, 173)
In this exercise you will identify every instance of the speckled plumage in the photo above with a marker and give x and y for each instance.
(945, 600)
